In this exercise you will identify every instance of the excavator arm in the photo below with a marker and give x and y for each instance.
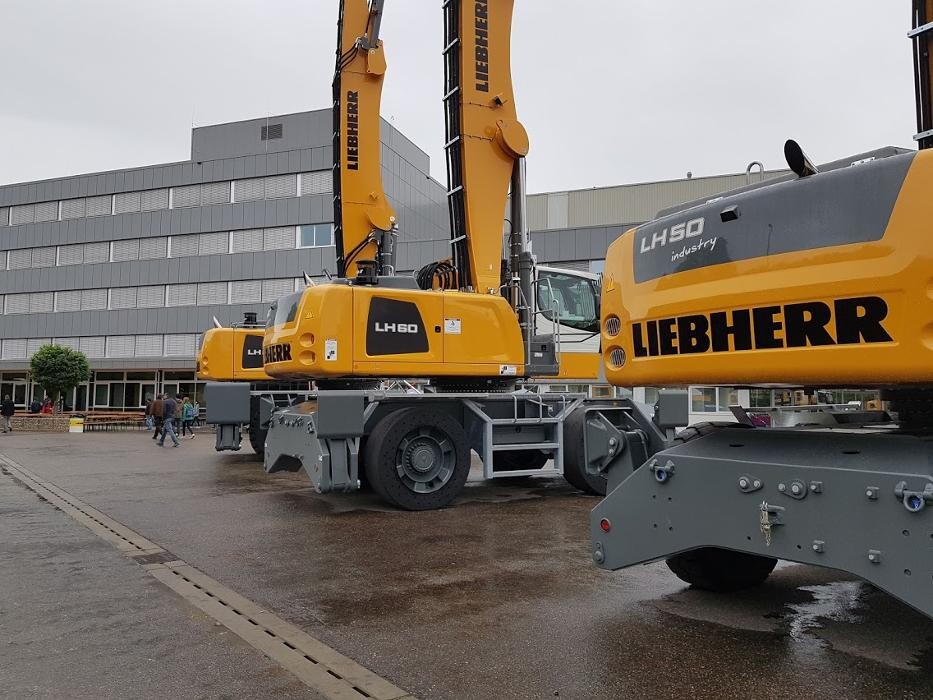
(364, 221)
(922, 35)
(485, 140)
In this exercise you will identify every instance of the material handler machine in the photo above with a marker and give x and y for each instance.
(473, 326)
(823, 278)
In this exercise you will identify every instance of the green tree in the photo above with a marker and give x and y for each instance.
(58, 370)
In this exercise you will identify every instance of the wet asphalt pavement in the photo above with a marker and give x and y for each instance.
(494, 597)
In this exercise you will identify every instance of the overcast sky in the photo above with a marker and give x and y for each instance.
(611, 91)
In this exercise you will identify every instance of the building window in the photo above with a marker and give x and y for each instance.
(705, 399)
(315, 235)
(319, 182)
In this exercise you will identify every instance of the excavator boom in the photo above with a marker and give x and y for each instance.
(485, 140)
(364, 221)
(922, 35)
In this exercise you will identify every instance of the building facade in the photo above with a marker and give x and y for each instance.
(131, 266)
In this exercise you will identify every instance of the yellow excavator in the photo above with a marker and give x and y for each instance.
(365, 236)
(819, 279)
(475, 326)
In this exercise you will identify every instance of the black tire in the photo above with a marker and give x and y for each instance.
(417, 459)
(721, 570)
(257, 435)
(513, 460)
(575, 459)
(711, 568)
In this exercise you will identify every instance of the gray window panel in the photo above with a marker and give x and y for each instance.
(43, 257)
(33, 345)
(1, 303)
(68, 301)
(47, 211)
(215, 193)
(212, 293)
(13, 349)
(67, 343)
(20, 259)
(151, 200)
(123, 298)
(41, 302)
(279, 186)
(4, 216)
(180, 345)
(188, 196)
(151, 248)
(71, 255)
(281, 238)
(23, 214)
(125, 250)
(96, 253)
(73, 208)
(92, 345)
(247, 241)
(126, 202)
(152, 297)
(276, 289)
(148, 346)
(184, 246)
(93, 299)
(320, 182)
(121, 346)
(249, 190)
(17, 304)
(182, 295)
(246, 292)
(100, 206)
(315, 235)
(213, 243)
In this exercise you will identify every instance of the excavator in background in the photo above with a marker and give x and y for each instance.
(364, 225)
(366, 231)
(475, 326)
(820, 279)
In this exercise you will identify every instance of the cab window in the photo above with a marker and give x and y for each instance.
(576, 299)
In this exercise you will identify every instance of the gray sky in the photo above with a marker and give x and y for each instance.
(611, 91)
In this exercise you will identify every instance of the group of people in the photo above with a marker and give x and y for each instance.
(164, 412)
(8, 410)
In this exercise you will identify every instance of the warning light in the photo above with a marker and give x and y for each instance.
(605, 525)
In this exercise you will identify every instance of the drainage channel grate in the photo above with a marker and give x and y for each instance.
(333, 675)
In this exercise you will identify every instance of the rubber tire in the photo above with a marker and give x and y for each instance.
(711, 568)
(513, 460)
(379, 458)
(257, 436)
(575, 458)
(721, 570)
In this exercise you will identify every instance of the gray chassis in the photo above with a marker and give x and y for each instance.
(324, 437)
(846, 497)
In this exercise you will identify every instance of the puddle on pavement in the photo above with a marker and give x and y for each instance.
(818, 610)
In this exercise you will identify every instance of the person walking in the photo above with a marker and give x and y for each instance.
(169, 407)
(187, 418)
(148, 413)
(156, 411)
(7, 409)
(46, 406)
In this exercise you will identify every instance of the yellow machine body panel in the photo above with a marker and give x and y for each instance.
(339, 330)
(361, 68)
(825, 280)
(582, 365)
(231, 355)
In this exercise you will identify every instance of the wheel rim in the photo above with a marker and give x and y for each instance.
(425, 460)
